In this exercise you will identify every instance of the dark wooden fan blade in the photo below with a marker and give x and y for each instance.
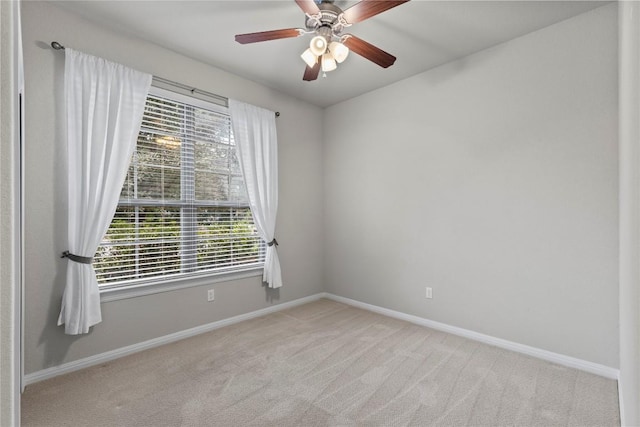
(369, 51)
(368, 8)
(268, 35)
(311, 73)
(308, 6)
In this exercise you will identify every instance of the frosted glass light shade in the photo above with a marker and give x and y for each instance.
(308, 57)
(328, 63)
(339, 51)
(318, 45)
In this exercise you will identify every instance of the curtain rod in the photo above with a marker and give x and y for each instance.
(57, 46)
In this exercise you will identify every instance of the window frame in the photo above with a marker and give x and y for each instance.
(146, 286)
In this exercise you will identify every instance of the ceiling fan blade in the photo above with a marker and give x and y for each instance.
(368, 8)
(308, 6)
(311, 73)
(368, 51)
(268, 35)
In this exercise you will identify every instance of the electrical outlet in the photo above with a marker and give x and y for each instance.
(210, 295)
(428, 293)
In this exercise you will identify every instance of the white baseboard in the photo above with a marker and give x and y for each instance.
(65, 368)
(621, 404)
(560, 359)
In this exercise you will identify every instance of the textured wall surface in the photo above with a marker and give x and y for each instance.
(130, 321)
(493, 180)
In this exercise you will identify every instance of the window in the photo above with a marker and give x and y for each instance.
(183, 208)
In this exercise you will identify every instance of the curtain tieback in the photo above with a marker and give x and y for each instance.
(77, 258)
(273, 242)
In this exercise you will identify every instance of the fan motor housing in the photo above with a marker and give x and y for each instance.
(328, 17)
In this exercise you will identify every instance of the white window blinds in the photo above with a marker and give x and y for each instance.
(183, 208)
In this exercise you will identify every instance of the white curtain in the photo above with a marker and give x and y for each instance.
(254, 130)
(104, 106)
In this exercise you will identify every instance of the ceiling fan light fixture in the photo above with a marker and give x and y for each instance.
(318, 45)
(325, 23)
(309, 58)
(339, 51)
(328, 62)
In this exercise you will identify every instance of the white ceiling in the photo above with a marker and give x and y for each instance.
(422, 34)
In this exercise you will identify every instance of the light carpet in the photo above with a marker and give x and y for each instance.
(324, 364)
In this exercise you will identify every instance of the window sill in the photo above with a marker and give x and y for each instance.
(134, 291)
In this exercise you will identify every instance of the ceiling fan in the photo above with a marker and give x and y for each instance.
(329, 45)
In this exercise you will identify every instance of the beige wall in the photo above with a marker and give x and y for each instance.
(493, 180)
(126, 322)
